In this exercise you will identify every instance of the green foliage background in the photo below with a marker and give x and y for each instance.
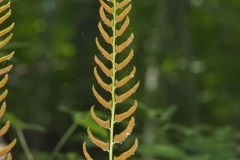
(187, 56)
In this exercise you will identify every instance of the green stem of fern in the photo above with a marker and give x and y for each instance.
(24, 144)
(63, 140)
(113, 84)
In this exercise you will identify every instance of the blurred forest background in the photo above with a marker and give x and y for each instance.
(187, 56)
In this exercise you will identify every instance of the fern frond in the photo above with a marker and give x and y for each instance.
(7, 30)
(113, 14)
(119, 138)
(101, 100)
(126, 79)
(124, 96)
(8, 148)
(4, 129)
(7, 57)
(104, 18)
(128, 153)
(125, 62)
(120, 48)
(127, 114)
(107, 55)
(86, 154)
(119, 32)
(104, 146)
(3, 109)
(102, 66)
(9, 157)
(5, 70)
(4, 81)
(5, 16)
(122, 4)
(124, 13)
(5, 39)
(5, 7)
(3, 95)
(105, 86)
(103, 123)
(106, 7)
(104, 34)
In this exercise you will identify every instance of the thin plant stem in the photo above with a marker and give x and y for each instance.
(24, 144)
(63, 140)
(113, 84)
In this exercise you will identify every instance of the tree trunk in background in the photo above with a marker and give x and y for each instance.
(154, 49)
(190, 85)
(151, 87)
(170, 14)
(181, 40)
